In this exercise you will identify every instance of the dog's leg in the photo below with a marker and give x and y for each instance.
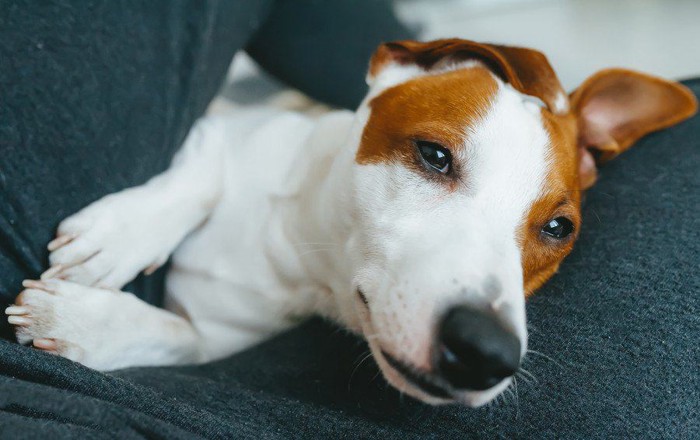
(101, 328)
(109, 242)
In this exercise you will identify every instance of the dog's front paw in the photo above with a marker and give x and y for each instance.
(108, 243)
(64, 318)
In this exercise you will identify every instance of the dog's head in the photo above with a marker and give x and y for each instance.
(468, 184)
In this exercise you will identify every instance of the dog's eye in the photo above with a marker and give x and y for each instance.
(560, 227)
(435, 156)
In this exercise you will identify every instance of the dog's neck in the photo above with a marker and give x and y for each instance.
(317, 217)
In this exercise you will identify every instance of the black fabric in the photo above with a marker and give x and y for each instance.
(615, 333)
(334, 39)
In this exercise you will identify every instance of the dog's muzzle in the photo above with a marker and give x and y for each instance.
(473, 351)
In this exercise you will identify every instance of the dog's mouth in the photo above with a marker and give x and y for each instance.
(426, 386)
(427, 383)
(434, 390)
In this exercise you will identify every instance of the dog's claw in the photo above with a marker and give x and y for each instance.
(16, 310)
(46, 344)
(59, 241)
(33, 284)
(19, 320)
(52, 272)
(152, 268)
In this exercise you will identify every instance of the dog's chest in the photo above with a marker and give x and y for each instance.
(241, 244)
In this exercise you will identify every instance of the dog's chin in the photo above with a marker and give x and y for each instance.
(476, 399)
(399, 381)
(436, 394)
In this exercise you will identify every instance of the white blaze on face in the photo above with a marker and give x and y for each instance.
(423, 248)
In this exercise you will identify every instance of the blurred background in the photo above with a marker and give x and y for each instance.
(578, 36)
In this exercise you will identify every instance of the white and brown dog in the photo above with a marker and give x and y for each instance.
(421, 221)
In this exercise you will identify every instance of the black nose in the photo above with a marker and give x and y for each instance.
(475, 350)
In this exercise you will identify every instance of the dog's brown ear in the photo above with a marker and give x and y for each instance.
(616, 107)
(527, 70)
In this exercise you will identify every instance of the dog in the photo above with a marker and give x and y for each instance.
(421, 222)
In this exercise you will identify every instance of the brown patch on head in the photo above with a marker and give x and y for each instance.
(542, 255)
(436, 108)
(527, 70)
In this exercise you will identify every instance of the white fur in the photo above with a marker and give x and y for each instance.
(283, 223)
(561, 104)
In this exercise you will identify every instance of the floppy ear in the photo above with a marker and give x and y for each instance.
(527, 70)
(616, 107)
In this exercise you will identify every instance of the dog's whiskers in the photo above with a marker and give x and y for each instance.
(508, 392)
(362, 357)
(526, 374)
(554, 361)
(524, 378)
(517, 399)
(367, 355)
(495, 402)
